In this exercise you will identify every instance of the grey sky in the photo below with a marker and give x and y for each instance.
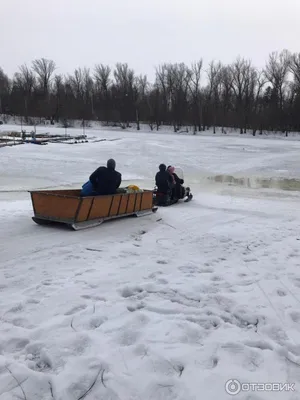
(144, 33)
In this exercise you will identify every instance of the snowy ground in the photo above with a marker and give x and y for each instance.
(167, 307)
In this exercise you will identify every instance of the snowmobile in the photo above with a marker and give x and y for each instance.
(166, 199)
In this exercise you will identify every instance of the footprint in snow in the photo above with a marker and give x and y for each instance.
(259, 344)
(166, 243)
(162, 281)
(130, 291)
(135, 307)
(292, 255)
(206, 270)
(47, 283)
(295, 316)
(76, 309)
(189, 269)
(72, 257)
(22, 323)
(214, 361)
(166, 389)
(32, 301)
(93, 286)
(127, 253)
(281, 292)
(211, 363)
(296, 282)
(217, 278)
(14, 344)
(154, 274)
(128, 337)
(96, 298)
(252, 360)
(97, 321)
(37, 358)
(249, 260)
(40, 365)
(17, 308)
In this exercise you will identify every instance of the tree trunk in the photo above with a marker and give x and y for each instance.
(137, 120)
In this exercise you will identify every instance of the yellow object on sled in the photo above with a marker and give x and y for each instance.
(133, 187)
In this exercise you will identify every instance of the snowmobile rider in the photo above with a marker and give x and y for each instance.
(103, 181)
(164, 180)
(177, 190)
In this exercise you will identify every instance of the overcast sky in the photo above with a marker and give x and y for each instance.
(144, 33)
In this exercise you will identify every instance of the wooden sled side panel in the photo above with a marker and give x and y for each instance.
(114, 206)
(55, 207)
(147, 200)
(66, 206)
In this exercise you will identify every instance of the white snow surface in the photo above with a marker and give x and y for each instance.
(164, 307)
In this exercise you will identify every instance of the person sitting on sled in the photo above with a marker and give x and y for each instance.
(103, 181)
(164, 180)
(178, 191)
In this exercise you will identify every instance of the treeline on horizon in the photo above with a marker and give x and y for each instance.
(237, 95)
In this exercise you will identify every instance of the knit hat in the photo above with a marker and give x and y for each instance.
(111, 164)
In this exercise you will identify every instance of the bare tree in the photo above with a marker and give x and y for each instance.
(242, 74)
(154, 107)
(163, 86)
(24, 82)
(226, 96)
(195, 92)
(124, 92)
(258, 83)
(59, 94)
(88, 92)
(276, 72)
(81, 85)
(294, 101)
(295, 67)
(102, 76)
(173, 81)
(102, 90)
(180, 76)
(214, 89)
(25, 79)
(5, 86)
(140, 96)
(76, 82)
(44, 69)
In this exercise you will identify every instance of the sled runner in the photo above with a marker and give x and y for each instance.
(165, 199)
(67, 207)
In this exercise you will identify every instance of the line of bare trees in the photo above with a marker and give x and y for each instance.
(236, 95)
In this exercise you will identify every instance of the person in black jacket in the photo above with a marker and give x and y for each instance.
(164, 180)
(106, 180)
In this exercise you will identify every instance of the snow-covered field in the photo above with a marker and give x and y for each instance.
(165, 307)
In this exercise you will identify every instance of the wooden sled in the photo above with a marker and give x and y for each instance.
(67, 207)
